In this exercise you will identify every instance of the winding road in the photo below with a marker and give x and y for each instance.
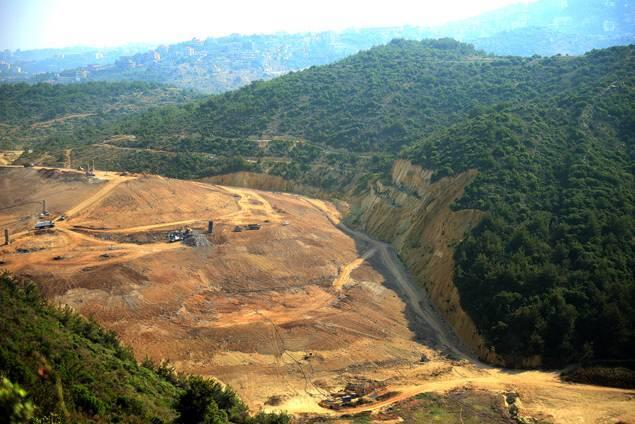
(415, 297)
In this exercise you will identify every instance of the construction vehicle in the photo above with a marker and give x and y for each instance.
(89, 172)
(239, 228)
(175, 236)
(42, 225)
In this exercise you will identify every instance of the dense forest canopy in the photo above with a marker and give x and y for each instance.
(384, 98)
(24, 103)
(550, 271)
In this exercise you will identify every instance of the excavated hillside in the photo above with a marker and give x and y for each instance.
(414, 215)
(299, 313)
(262, 182)
(286, 313)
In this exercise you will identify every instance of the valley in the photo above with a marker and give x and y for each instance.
(291, 315)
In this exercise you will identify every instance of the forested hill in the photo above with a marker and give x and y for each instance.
(21, 103)
(550, 271)
(47, 118)
(387, 97)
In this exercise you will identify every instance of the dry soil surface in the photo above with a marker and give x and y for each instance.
(287, 314)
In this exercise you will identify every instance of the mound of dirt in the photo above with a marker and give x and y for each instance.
(197, 240)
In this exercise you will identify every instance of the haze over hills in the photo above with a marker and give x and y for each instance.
(29, 62)
(595, 24)
(214, 65)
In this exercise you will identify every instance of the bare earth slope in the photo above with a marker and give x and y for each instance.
(288, 314)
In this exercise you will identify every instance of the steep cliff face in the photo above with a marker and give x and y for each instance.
(413, 213)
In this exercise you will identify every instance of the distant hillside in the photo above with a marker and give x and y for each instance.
(215, 65)
(220, 64)
(51, 113)
(549, 27)
(547, 42)
(19, 64)
(583, 17)
(373, 103)
(31, 103)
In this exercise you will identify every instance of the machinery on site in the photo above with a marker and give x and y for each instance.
(44, 211)
(239, 228)
(43, 225)
(175, 236)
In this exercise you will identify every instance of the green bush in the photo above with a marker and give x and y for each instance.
(15, 408)
(603, 375)
(86, 401)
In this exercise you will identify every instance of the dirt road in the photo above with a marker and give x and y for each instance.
(345, 274)
(112, 182)
(544, 391)
(144, 228)
(416, 298)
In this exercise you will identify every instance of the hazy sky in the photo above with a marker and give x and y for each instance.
(28, 24)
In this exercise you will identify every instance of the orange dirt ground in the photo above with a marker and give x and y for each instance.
(292, 312)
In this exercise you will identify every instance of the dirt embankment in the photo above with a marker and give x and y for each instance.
(262, 182)
(292, 311)
(7, 157)
(414, 215)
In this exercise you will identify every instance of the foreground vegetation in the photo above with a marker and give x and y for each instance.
(59, 367)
